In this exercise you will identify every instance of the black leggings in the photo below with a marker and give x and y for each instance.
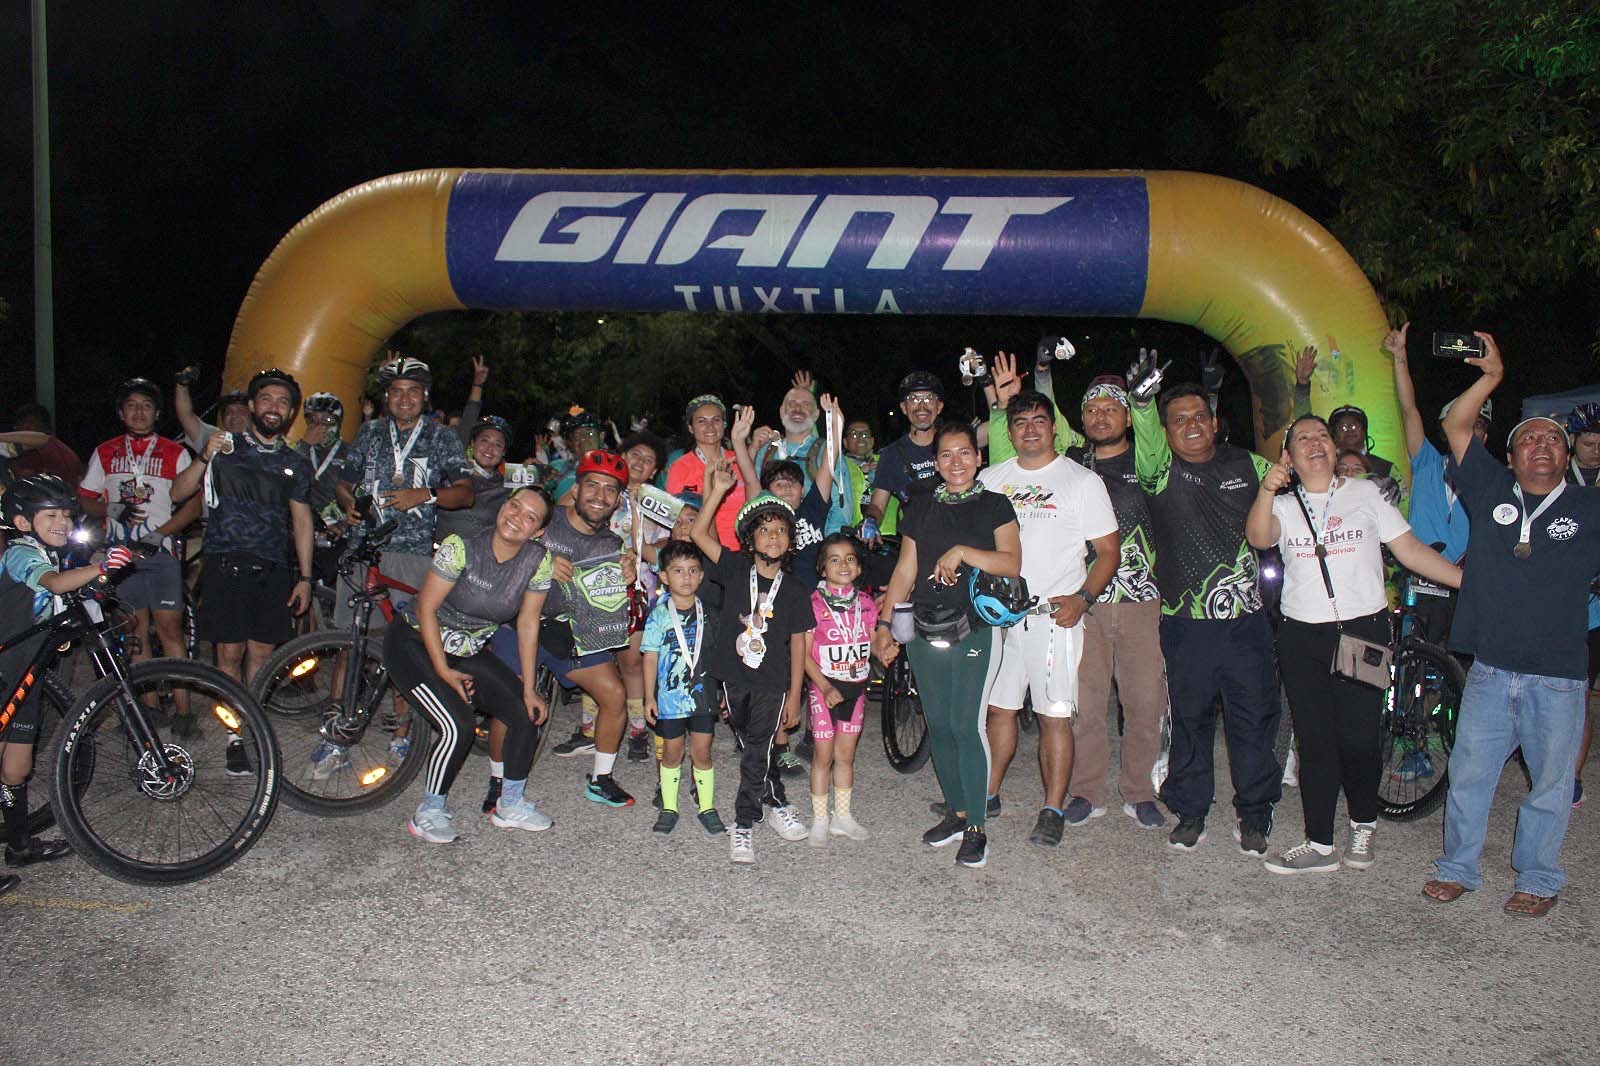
(1336, 722)
(497, 692)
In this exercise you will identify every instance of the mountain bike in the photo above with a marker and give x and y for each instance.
(1420, 709)
(905, 730)
(136, 800)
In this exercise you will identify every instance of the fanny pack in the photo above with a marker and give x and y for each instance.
(1364, 661)
(940, 624)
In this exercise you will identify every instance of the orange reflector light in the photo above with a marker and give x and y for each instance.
(304, 667)
(374, 775)
(226, 717)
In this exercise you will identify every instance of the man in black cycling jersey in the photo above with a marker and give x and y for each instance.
(323, 448)
(591, 576)
(905, 466)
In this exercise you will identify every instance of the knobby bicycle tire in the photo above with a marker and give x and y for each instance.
(1418, 726)
(92, 737)
(905, 730)
(296, 704)
(55, 700)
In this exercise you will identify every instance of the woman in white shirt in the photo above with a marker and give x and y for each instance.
(1343, 522)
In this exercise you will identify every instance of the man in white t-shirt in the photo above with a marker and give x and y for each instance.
(1062, 508)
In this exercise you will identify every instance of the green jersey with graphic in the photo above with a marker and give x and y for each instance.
(595, 602)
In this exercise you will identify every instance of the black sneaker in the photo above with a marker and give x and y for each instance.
(942, 809)
(1251, 838)
(36, 850)
(638, 746)
(604, 789)
(666, 822)
(237, 764)
(1188, 834)
(948, 831)
(1047, 829)
(8, 882)
(492, 798)
(974, 847)
(183, 726)
(655, 801)
(578, 743)
(711, 821)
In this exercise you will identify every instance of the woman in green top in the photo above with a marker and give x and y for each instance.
(945, 535)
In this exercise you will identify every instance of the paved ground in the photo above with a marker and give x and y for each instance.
(347, 941)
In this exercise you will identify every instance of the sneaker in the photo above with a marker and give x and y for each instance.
(1080, 810)
(656, 801)
(991, 808)
(399, 748)
(328, 759)
(845, 825)
(491, 798)
(237, 764)
(579, 743)
(432, 826)
(521, 815)
(741, 844)
(1291, 770)
(948, 831)
(604, 789)
(1413, 766)
(974, 847)
(1251, 837)
(638, 746)
(666, 822)
(711, 822)
(1146, 813)
(785, 821)
(8, 882)
(1361, 853)
(1046, 830)
(36, 850)
(1577, 792)
(184, 726)
(789, 764)
(1303, 859)
(818, 835)
(1188, 835)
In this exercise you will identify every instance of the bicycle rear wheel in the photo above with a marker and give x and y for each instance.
(131, 822)
(905, 730)
(339, 759)
(1418, 728)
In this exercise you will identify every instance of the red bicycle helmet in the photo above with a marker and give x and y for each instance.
(608, 463)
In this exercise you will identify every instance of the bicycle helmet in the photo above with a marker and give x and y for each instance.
(599, 462)
(404, 368)
(1584, 418)
(756, 510)
(578, 418)
(999, 601)
(920, 381)
(1486, 412)
(700, 401)
(1348, 409)
(143, 386)
(231, 397)
(274, 376)
(495, 422)
(325, 403)
(29, 495)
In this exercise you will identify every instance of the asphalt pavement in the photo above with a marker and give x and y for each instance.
(347, 941)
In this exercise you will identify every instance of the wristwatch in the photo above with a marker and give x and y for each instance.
(1088, 600)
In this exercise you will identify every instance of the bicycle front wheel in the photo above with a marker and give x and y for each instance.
(1418, 729)
(130, 819)
(55, 700)
(340, 756)
(905, 730)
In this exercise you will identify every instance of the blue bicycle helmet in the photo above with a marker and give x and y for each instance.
(1000, 601)
(1585, 418)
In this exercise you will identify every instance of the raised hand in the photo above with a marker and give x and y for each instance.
(1279, 476)
(743, 420)
(1305, 364)
(1144, 376)
(1007, 380)
(1490, 364)
(480, 370)
(803, 380)
(1394, 342)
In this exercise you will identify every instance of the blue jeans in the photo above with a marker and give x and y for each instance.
(1501, 711)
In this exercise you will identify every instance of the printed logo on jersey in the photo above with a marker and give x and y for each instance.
(1030, 498)
(1563, 528)
(1505, 514)
(1233, 484)
(603, 586)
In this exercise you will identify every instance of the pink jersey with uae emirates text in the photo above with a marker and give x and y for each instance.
(842, 641)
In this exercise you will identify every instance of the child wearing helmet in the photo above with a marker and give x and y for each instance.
(759, 653)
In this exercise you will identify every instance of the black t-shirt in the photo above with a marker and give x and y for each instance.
(791, 614)
(905, 468)
(809, 524)
(938, 527)
(254, 485)
(1529, 616)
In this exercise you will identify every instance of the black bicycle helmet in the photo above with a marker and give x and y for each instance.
(325, 403)
(1348, 409)
(404, 368)
(578, 418)
(274, 376)
(920, 381)
(29, 495)
(231, 397)
(1584, 418)
(494, 422)
(143, 386)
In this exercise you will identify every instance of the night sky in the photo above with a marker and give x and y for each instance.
(188, 138)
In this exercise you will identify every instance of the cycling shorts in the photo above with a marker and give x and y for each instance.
(156, 584)
(673, 728)
(845, 717)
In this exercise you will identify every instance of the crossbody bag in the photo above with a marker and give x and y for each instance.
(1365, 661)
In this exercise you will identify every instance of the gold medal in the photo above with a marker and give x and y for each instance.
(1523, 550)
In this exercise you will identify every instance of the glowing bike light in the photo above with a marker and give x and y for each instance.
(226, 717)
(374, 775)
(304, 667)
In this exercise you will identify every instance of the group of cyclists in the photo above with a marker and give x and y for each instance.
(759, 576)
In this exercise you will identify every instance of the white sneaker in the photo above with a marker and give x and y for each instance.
(1360, 855)
(785, 821)
(1291, 769)
(521, 815)
(845, 825)
(432, 826)
(741, 845)
(819, 832)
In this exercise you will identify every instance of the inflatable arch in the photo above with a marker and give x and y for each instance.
(1240, 265)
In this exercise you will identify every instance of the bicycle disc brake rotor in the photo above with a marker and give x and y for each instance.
(156, 786)
(345, 730)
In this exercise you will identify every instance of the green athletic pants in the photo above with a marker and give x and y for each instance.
(954, 685)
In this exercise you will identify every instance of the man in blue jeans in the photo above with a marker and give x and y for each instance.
(1523, 614)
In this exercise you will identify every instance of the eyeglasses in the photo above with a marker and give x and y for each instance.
(323, 420)
(860, 434)
(921, 399)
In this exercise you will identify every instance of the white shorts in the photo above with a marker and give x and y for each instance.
(1039, 657)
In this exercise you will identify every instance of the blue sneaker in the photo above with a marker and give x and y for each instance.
(604, 789)
(432, 826)
(328, 759)
(521, 815)
(399, 748)
(1417, 764)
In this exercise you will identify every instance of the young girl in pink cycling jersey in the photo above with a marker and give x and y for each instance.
(837, 664)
